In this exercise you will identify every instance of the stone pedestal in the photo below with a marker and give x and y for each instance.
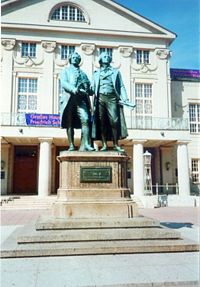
(93, 214)
(93, 185)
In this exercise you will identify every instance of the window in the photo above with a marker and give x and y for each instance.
(194, 114)
(28, 50)
(66, 50)
(142, 57)
(27, 95)
(108, 50)
(143, 100)
(195, 172)
(68, 13)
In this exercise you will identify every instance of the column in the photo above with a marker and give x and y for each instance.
(7, 73)
(87, 51)
(163, 84)
(183, 169)
(44, 181)
(138, 168)
(48, 78)
(124, 59)
(5, 168)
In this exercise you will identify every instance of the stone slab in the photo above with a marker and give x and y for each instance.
(32, 236)
(11, 250)
(86, 156)
(44, 223)
(29, 242)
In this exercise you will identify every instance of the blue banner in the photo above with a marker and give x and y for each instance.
(50, 120)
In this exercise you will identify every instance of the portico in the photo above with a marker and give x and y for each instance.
(169, 163)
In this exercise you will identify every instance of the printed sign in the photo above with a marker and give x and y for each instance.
(52, 120)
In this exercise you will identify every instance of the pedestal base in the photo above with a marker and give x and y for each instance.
(123, 209)
(93, 185)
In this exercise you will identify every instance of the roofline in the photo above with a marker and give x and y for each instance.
(126, 10)
(8, 2)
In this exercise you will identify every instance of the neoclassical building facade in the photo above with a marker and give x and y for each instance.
(37, 38)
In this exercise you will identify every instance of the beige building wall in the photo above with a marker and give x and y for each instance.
(123, 31)
(184, 93)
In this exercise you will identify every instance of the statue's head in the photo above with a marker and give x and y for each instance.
(105, 58)
(76, 56)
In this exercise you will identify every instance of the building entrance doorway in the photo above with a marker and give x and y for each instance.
(25, 170)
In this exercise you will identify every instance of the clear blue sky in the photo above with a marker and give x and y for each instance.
(179, 16)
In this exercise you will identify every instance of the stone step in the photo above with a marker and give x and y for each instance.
(96, 236)
(97, 248)
(32, 236)
(50, 223)
(28, 202)
(25, 207)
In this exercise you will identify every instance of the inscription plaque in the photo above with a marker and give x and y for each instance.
(96, 174)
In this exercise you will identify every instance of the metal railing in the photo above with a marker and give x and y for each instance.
(19, 119)
(12, 119)
(165, 189)
(157, 123)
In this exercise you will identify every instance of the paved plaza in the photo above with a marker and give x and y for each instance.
(165, 269)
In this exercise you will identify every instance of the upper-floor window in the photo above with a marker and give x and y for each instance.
(66, 50)
(143, 98)
(68, 13)
(27, 94)
(28, 49)
(108, 50)
(195, 170)
(142, 56)
(143, 101)
(194, 115)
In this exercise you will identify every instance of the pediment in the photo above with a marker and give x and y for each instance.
(101, 15)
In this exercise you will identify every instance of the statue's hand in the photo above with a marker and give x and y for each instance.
(126, 101)
(83, 92)
(75, 90)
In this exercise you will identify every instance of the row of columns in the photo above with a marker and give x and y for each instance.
(45, 159)
(182, 166)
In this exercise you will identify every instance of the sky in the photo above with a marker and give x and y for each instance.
(181, 17)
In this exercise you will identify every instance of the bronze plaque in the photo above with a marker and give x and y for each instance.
(96, 174)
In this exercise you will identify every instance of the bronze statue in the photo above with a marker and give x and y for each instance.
(110, 95)
(75, 106)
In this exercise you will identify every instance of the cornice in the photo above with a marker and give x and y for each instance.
(85, 30)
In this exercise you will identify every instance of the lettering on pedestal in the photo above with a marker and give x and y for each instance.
(96, 174)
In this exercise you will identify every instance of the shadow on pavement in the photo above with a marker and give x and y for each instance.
(177, 225)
